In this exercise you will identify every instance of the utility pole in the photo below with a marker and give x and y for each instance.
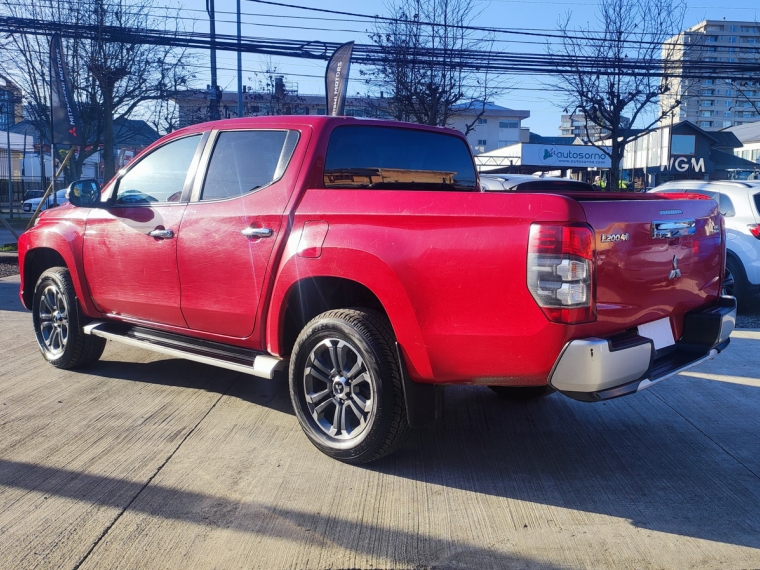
(9, 110)
(239, 65)
(213, 100)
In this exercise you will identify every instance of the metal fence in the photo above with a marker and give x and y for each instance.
(22, 189)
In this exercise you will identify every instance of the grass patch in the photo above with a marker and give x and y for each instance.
(10, 247)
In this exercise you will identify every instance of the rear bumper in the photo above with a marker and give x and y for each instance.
(595, 369)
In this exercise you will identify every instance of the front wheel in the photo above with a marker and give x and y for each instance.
(57, 322)
(345, 385)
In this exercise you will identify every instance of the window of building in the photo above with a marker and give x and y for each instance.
(507, 143)
(708, 82)
(482, 142)
(727, 103)
(705, 124)
(708, 103)
(244, 161)
(732, 39)
(711, 39)
(726, 123)
(729, 92)
(732, 28)
(482, 121)
(321, 111)
(726, 113)
(706, 114)
(509, 124)
(684, 144)
(708, 92)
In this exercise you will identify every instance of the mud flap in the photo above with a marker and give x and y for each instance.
(424, 402)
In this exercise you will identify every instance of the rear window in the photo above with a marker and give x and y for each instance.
(394, 158)
(757, 203)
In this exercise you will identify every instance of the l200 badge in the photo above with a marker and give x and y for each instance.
(615, 237)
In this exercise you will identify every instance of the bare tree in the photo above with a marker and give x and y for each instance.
(423, 55)
(619, 70)
(113, 78)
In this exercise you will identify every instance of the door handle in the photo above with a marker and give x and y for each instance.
(257, 232)
(161, 234)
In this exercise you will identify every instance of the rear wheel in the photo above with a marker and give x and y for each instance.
(58, 322)
(345, 385)
(522, 392)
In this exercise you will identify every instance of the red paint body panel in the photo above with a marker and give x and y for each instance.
(131, 274)
(449, 268)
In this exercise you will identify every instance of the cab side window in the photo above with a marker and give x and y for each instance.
(160, 176)
(244, 161)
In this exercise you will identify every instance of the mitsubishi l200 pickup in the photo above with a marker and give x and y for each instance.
(361, 259)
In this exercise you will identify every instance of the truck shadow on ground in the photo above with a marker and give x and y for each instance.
(636, 458)
(272, 394)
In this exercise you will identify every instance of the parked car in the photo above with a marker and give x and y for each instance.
(30, 206)
(530, 183)
(361, 259)
(29, 194)
(739, 202)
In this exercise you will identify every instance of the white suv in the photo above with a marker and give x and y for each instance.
(739, 202)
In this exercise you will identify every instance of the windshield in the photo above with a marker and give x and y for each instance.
(361, 156)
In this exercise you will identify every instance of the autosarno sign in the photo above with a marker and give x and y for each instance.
(564, 156)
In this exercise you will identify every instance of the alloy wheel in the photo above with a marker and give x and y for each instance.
(53, 314)
(338, 389)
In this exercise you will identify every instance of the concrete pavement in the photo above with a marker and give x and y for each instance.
(147, 462)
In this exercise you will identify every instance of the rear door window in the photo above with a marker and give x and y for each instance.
(244, 161)
(361, 156)
(756, 199)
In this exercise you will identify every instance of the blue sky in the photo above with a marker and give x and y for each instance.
(261, 20)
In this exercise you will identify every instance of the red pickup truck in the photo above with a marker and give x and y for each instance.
(362, 257)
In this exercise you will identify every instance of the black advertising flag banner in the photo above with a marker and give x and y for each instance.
(64, 114)
(336, 79)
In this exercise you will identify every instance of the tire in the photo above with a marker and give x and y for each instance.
(522, 392)
(58, 322)
(736, 284)
(346, 386)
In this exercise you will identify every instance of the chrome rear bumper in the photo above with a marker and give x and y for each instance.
(595, 369)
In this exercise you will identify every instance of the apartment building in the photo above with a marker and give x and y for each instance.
(711, 103)
(575, 126)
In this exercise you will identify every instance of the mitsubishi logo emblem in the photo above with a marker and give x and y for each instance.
(675, 273)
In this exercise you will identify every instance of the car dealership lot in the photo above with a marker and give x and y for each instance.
(149, 462)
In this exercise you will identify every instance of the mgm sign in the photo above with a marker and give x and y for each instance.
(683, 164)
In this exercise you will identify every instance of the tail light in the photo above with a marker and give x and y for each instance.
(754, 230)
(561, 272)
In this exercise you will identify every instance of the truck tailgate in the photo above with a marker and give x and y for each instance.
(655, 259)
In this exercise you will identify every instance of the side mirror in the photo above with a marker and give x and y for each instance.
(84, 193)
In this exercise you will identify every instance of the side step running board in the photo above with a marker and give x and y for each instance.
(216, 354)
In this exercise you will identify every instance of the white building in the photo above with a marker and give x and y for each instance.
(749, 135)
(497, 126)
(714, 104)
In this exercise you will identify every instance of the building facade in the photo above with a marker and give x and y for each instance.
(491, 126)
(711, 103)
(575, 126)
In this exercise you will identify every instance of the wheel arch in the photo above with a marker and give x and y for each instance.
(306, 287)
(39, 251)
